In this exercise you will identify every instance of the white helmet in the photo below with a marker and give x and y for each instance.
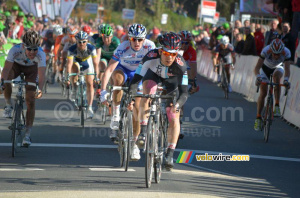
(58, 30)
(137, 31)
(224, 40)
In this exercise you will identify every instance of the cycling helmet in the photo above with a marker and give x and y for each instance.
(72, 31)
(87, 29)
(31, 39)
(277, 46)
(100, 27)
(107, 30)
(82, 36)
(224, 40)
(185, 35)
(219, 37)
(58, 30)
(137, 31)
(226, 26)
(170, 42)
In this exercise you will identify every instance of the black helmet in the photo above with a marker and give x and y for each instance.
(31, 39)
(170, 41)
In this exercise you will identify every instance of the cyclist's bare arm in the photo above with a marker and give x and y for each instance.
(193, 72)
(258, 66)
(108, 71)
(59, 51)
(287, 68)
(69, 64)
(233, 57)
(7, 67)
(215, 58)
(41, 73)
(95, 63)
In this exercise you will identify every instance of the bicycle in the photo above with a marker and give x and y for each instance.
(224, 79)
(18, 119)
(104, 109)
(65, 88)
(81, 100)
(48, 74)
(156, 138)
(268, 116)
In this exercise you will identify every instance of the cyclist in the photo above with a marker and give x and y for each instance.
(224, 51)
(57, 35)
(106, 43)
(82, 56)
(166, 66)
(271, 61)
(190, 56)
(28, 58)
(121, 67)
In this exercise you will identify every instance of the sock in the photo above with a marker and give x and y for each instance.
(276, 104)
(135, 138)
(8, 102)
(116, 110)
(90, 108)
(258, 116)
(143, 122)
(172, 146)
(28, 131)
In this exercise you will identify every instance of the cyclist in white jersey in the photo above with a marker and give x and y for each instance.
(271, 61)
(30, 59)
(122, 66)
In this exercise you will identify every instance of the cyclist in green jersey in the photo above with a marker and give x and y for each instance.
(105, 44)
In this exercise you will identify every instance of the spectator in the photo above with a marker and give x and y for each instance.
(247, 23)
(235, 33)
(19, 22)
(252, 26)
(296, 19)
(249, 46)
(12, 29)
(119, 32)
(273, 32)
(297, 53)
(238, 24)
(259, 40)
(30, 17)
(153, 36)
(39, 27)
(15, 11)
(285, 10)
(239, 43)
(287, 38)
(227, 32)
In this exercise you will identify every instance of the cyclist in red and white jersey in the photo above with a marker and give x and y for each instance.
(271, 61)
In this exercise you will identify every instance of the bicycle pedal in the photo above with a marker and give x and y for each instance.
(181, 136)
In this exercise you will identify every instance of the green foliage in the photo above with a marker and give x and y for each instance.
(175, 22)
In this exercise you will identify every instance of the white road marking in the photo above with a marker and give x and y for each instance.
(177, 150)
(21, 169)
(111, 169)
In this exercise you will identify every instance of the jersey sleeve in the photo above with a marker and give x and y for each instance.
(70, 54)
(287, 54)
(193, 57)
(12, 53)
(263, 53)
(42, 59)
(183, 89)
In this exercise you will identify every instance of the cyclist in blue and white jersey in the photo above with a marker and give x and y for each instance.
(271, 61)
(122, 66)
(83, 56)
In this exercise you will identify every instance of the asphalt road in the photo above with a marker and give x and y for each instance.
(66, 161)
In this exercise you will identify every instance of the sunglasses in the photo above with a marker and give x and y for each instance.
(134, 39)
(31, 49)
(168, 53)
(81, 42)
(103, 35)
(185, 42)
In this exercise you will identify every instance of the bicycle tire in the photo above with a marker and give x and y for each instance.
(121, 143)
(129, 138)
(268, 122)
(149, 162)
(160, 150)
(81, 107)
(14, 128)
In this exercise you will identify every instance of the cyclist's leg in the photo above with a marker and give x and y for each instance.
(277, 75)
(102, 67)
(14, 72)
(89, 82)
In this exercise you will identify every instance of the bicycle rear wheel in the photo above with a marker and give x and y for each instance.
(149, 162)
(129, 132)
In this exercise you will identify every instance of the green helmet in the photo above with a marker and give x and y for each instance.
(15, 8)
(21, 14)
(219, 37)
(226, 26)
(7, 14)
(107, 30)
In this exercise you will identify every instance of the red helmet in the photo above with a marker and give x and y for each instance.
(87, 29)
(277, 46)
(72, 31)
(185, 35)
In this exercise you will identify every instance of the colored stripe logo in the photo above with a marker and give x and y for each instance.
(185, 157)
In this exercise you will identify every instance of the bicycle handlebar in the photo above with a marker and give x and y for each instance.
(17, 82)
(115, 88)
(276, 84)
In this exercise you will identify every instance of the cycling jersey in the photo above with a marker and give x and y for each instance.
(48, 41)
(64, 40)
(190, 55)
(84, 58)
(174, 77)
(107, 51)
(225, 54)
(129, 58)
(57, 44)
(266, 54)
(17, 54)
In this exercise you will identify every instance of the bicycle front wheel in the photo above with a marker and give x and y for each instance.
(14, 128)
(122, 143)
(268, 122)
(149, 151)
(160, 149)
(129, 132)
